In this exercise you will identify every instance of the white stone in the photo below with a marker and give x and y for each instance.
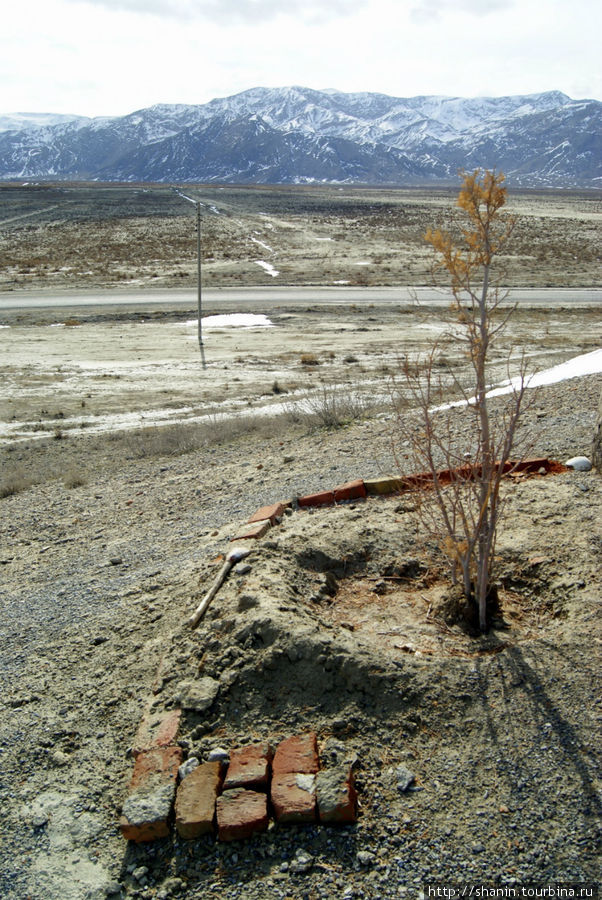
(187, 767)
(579, 463)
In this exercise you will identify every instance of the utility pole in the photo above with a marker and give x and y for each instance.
(197, 203)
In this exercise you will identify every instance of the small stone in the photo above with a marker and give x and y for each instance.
(187, 767)
(140, 873)
(247, 601)
(302, 863)
(405, 778)
(218, 754)
(199, 695)
(579, 463)
(242, 568)
(59, 758)
(116, 560)
(366, 858)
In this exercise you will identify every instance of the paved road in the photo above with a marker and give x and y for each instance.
(254, 296)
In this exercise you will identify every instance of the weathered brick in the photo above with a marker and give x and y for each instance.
(336, 795)
(323, 498)
(532, 465)
(352, 490)
(249, 767)
(252, 531)
(272, 513)
(293, 797)
(157, 730)
(196, 799)
(241, 813)
(297, 754)
(147, 807)
(386, 485)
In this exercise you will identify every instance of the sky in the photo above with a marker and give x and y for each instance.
(112, 57)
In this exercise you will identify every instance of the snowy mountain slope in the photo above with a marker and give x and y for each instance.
(299, 135)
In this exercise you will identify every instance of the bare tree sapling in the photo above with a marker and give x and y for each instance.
(466, 464)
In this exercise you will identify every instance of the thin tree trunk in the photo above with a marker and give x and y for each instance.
(597, 441)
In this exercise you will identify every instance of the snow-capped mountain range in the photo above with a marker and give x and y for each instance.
(302, 136)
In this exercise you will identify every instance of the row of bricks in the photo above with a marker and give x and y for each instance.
(267, 516)
(298, 790)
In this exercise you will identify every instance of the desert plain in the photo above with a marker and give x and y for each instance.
(127, 467)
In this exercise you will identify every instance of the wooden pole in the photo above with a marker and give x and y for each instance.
(233, 557)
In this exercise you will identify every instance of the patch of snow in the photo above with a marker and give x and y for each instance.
(578, 367)
(261, 244)
(233, 320)
(268, 268)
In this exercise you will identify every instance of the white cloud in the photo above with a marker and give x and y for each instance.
(250, 12)
(110, 57)
(427, 11)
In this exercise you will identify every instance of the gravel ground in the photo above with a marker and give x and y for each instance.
(97, 579)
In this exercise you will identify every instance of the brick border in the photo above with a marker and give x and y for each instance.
(152, 791)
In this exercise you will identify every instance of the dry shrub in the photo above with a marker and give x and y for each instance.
(309, 359)
(330, 407)
(74, 478)
(14, 483)
(181, 438)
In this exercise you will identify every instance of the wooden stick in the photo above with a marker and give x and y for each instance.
(233, 556)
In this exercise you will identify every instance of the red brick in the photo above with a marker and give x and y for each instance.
(252, 531)
(147, 807)
(249, 767)
(353, 490)
(196, 799)
(336, 796)
(293, 797)
(297, 754)
(159, 730)
(323, 498)
(272, 513)
(532, 465)
(240, 814)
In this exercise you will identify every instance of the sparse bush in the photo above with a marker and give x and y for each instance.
(74, 478)
(309, 359)
(181, 438)
(14, 483)
(462, 510)
(330, 407)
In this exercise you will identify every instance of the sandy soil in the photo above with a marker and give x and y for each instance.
(110, 373)
(111, 531)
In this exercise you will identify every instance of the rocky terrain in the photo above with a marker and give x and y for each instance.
(501, 732)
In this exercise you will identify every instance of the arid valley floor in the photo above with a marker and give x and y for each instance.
(126, 467)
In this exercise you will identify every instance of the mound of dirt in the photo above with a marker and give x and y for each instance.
(330, 624)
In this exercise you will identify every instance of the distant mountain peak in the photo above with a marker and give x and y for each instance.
(294, 134)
